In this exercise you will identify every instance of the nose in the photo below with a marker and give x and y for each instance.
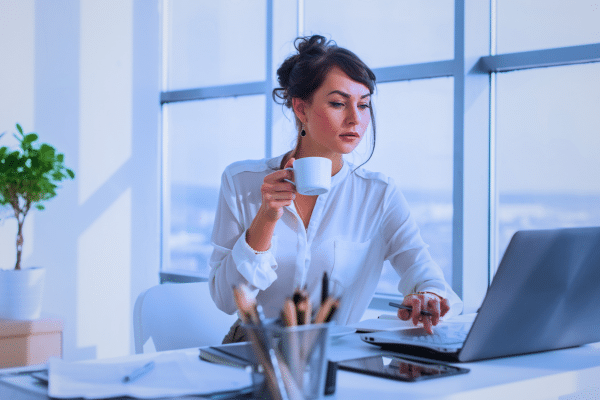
(353, 117)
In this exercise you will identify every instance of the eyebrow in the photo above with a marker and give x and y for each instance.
(346, 95)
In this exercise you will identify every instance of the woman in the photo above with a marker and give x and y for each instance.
(273, 239)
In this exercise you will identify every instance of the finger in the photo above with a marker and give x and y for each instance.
(444, 307)
(433, 306)
(278, 188)
(284, 187)
(281, 204)
(278, 199)
(427, 324)
(404, 315)
(278, 176)
(289, 163)
(415, 303)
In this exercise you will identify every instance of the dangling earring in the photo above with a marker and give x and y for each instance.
(303, 132)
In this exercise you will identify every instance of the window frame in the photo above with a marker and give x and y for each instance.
(474, 69)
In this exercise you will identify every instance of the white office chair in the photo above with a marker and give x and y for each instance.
(178, 316)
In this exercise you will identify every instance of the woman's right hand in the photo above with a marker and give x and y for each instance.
(424, 301)
(277, 193)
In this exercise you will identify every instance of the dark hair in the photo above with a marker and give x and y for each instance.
(304, 72)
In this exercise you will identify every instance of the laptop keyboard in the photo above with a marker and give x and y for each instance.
(440, 336)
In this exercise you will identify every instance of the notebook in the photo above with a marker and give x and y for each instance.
(544, 296)
(232, 354)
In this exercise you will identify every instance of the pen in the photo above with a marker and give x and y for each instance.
(138, 373)
(409, 308)
(324, 287)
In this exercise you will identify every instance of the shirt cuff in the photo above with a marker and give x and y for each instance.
(433, 289)
(455, 303)
(257, 269)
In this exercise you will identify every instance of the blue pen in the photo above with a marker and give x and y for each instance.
(138, 373)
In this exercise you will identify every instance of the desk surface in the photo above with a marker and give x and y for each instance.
(562, 374)
(549, 375)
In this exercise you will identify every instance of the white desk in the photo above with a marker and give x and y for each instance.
(564, 374)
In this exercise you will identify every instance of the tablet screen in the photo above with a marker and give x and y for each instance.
(400, 368)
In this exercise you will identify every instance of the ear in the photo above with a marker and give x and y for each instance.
(299, 107)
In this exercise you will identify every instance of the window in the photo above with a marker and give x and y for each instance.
(486, 116)
(205, 45)
(386, 33)
(414, 147)
(543, 24)
(548, 136)
(203, 140)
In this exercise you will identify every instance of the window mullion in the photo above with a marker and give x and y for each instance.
(471, 233)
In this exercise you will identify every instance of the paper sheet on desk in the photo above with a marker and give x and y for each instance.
(174, 374)
(390, 322)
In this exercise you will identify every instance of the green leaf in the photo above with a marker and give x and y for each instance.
(40, 207)
(71, 173)
(47, 151)
(20, 129)
(60, 158)
(30, 138)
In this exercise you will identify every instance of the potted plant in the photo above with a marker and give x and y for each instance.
(28, 178)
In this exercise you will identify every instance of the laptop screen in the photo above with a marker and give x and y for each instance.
(544, 296)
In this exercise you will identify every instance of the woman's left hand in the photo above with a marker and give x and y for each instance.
(436, 305)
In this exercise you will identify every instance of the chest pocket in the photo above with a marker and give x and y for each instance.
(349, 262)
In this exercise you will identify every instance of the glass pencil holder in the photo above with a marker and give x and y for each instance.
(292, 361)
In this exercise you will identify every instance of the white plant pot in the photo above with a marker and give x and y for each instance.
(21, 293)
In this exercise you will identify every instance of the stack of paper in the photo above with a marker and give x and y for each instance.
(174, 374)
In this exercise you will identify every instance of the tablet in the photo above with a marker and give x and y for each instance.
(400, 368)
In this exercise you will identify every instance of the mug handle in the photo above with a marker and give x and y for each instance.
(287, 180)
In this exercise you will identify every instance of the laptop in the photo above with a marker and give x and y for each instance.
(544, 296)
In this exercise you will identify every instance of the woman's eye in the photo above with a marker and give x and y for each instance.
(364, 106)
(336, 104)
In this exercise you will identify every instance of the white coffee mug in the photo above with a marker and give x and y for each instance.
(312, 175)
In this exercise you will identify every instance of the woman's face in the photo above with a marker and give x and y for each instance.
(336, 117)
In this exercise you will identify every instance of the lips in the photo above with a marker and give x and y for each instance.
(349, 135)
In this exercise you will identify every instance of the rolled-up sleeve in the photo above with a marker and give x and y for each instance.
(257, 269)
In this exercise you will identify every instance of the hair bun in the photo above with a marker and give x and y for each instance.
(315, 45)
(308, 48)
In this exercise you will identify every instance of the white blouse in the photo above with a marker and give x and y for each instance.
(362, 221)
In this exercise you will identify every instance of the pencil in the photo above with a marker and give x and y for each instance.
(299, 295)
(250, 315)
(239, 302)
(325, 311)
(303, 312)
(289, 313)
(291, 337)
(303, 308)
(334, 306)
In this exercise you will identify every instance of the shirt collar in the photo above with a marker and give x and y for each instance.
(341, 175)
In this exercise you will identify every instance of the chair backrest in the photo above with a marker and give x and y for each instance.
(178, 316)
